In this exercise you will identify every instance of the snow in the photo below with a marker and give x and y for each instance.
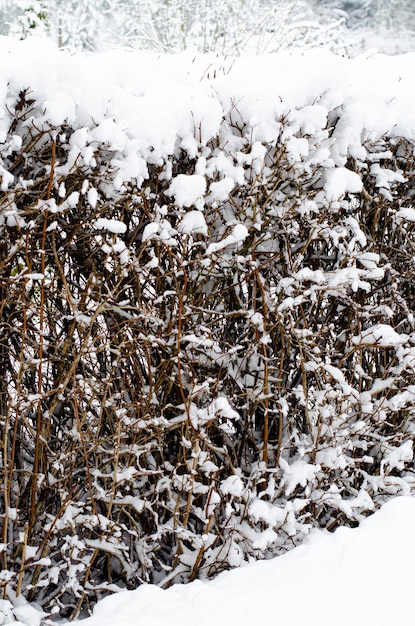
(237, 236)
(187, 190)
(380, 335)
(112, 226)
(193, 222)
(407, 214)
(360, 576)
(25, 614)
(145, 108)
(341, 181)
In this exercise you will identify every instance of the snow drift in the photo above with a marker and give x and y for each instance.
(341, 578)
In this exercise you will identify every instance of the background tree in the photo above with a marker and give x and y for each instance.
(224, 27)
(31, 18)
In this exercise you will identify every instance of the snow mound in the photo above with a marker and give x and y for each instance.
(355, 576)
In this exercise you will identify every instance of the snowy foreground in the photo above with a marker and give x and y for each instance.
(359, 577)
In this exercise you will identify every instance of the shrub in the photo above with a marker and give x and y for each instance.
(202, 359)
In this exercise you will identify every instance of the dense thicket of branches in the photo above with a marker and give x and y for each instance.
(179, 394)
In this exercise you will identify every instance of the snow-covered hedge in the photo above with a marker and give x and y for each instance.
(207, 333)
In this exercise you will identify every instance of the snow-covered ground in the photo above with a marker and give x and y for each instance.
(354, 577)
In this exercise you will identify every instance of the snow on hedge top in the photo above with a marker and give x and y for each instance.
(381, 335)
(145, 108)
